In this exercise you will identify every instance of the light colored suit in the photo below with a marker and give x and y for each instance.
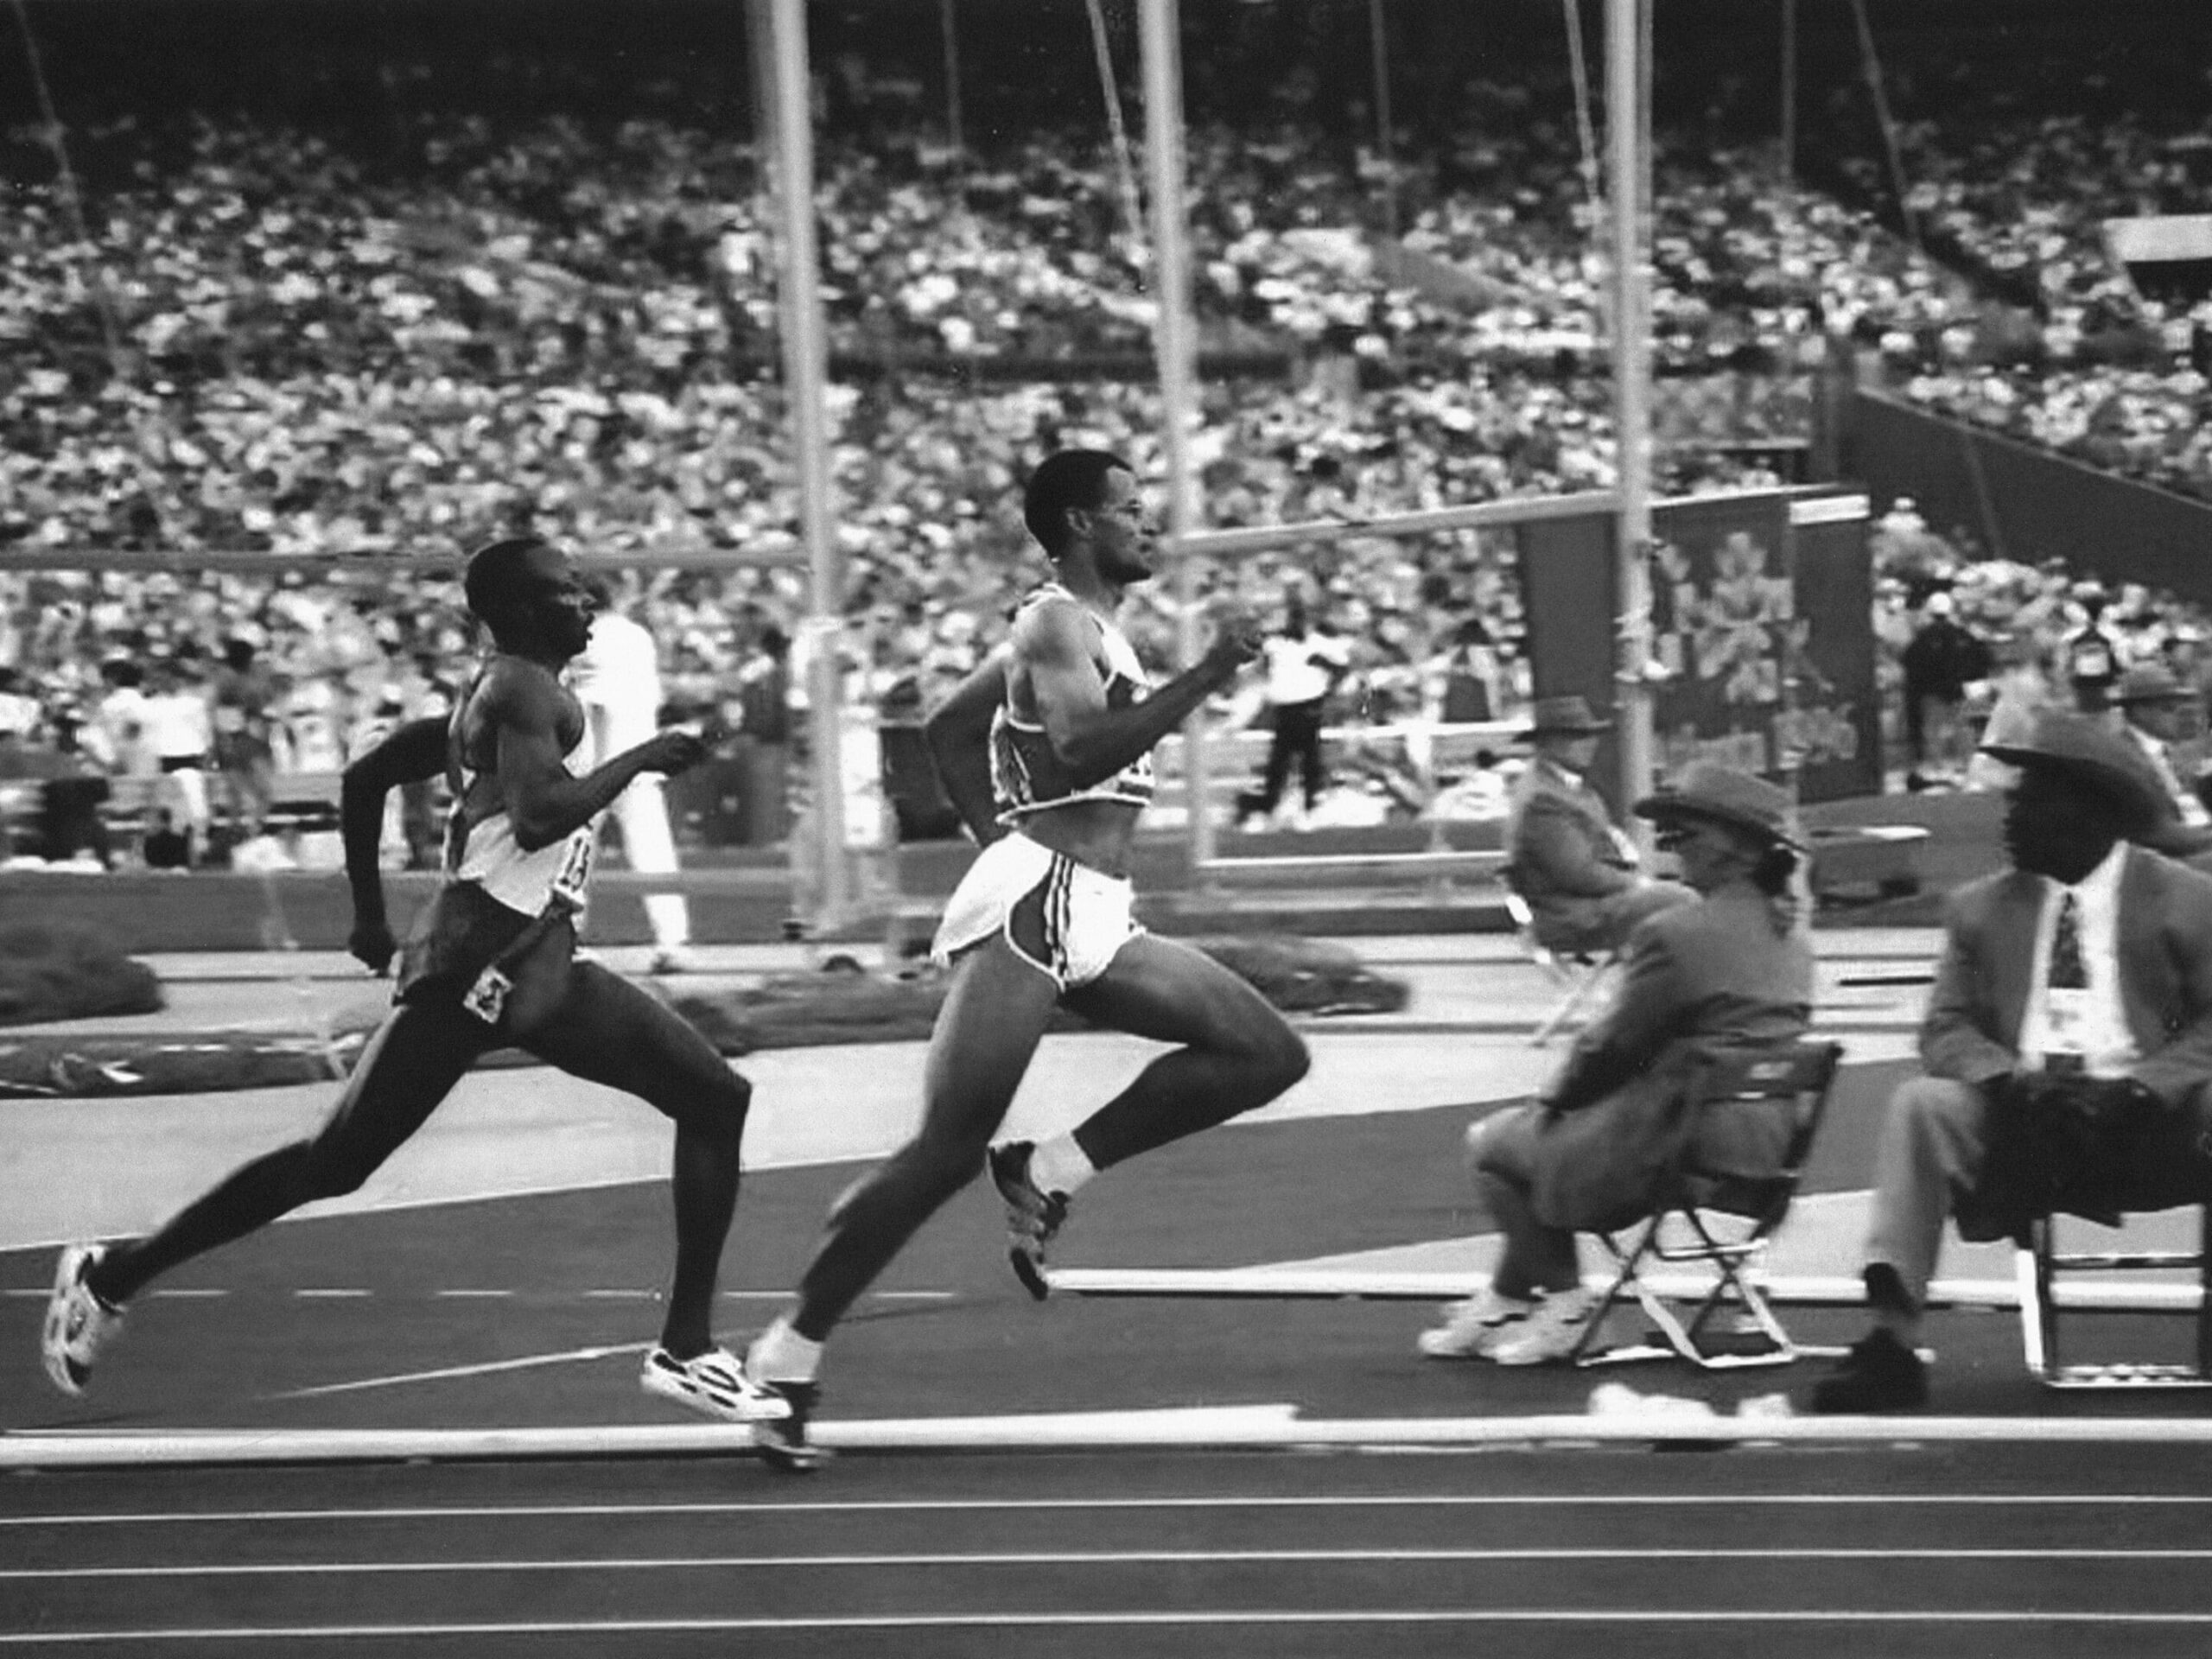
(1935, 1140)
(1584, 890)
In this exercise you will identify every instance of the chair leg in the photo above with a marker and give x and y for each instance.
(2032, 1273)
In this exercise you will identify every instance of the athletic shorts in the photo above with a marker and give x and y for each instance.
(1062, 918)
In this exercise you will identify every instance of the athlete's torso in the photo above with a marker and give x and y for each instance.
(481, 845)
(1034, 789)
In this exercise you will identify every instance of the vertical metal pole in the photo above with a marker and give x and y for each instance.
(952, 124)
(806, 366)
(1378, 34)
(1174, 339)
(1789, 88)
(1628, 139)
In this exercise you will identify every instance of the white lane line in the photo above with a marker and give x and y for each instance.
(472, 1295)
(1703, 1501)
(1103, 1557)
(1033, 1620)
(341, 1294)
(528, 1362)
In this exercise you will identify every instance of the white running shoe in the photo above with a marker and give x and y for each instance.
(1472, 1328)
(77, 1324)
(1549, 1333)
(714, 1384)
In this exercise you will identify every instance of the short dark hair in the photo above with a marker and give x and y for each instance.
(1072, 478)
(489, 584)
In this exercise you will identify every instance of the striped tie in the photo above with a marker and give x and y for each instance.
(2067, 973)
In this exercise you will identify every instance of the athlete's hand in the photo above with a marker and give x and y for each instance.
(1237, 637)
(672, 750)
(371, 945)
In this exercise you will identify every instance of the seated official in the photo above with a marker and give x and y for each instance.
(2155, 710)
(2074, 988)
(1563, 854)
(1734, 966)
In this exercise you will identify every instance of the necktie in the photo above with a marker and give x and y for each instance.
(2067, 973)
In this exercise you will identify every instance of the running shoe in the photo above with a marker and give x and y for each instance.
(1550, 1332)
(78, 1323)
(782, 1442)
(1472, 1328)
(1034, 1216)
(713, 1384)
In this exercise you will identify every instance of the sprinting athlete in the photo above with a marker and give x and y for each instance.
(489, 963)
(1047, 751)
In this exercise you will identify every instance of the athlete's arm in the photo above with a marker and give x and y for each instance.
(958, 734)
(408, 753)
(1093, 740)
(544, 802)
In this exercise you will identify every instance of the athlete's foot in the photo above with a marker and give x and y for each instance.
(783, 1443)
(78, 1323)
(1034, 1216)
(713, 1384)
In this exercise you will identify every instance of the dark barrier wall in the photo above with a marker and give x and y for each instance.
(2030, 505)
(1762, 613)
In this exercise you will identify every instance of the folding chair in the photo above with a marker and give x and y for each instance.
(2042, 1264)
(1580, 977)
(1720, 1217)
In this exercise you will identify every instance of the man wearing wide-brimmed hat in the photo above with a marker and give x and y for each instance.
(1733, 966)
(1563, 854)
(2085, 967)
(2155, 708)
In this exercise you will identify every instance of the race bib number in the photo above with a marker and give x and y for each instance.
(574, 877)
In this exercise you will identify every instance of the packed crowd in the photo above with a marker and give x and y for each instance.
(257, 339)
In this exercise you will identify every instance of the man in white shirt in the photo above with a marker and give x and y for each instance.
(181, 730)
(2155, 708)
(2089, 959)
(617, 681)
(1303, 667)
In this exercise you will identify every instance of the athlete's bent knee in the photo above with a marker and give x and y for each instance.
(1282, 1060)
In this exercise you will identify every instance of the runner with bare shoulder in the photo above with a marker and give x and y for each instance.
(1046, 750)
(490, 963)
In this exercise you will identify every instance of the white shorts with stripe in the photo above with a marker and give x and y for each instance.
(1063, 917)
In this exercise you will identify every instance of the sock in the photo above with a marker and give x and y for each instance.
(1060, 1165)
(779, 1354)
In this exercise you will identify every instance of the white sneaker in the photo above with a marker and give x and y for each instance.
(713, 1384)
(1549, 1333)
(77, 1324)
(1472, 1328)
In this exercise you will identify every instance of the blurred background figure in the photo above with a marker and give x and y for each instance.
(241, 697)
(617, 681)
(1304, 665)
(2091, 660)
(2159, 716)
(1581, 876)
(1940, 661)
(764, 740)
(182, 732)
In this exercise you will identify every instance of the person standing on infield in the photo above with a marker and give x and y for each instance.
(1047, 750)
(489, 962)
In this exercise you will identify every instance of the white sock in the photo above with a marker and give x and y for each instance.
(1060, 1165)
(779, 1354)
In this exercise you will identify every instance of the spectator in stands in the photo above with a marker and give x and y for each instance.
(240, 698)
(1304, 665)
(19, 714)
(166, 847)
(2157, 713)
(2092, 660)
(2085, 967)
(117, 736)
(1939, 662)
(182, 733)
(1734, 967)
(1471, 673)
(764, 737)
(1580, 875)
(617, 678)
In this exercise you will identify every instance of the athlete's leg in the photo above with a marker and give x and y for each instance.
(608, 1030)
(986, 1033)
(1236, 1051)
(410, 1064)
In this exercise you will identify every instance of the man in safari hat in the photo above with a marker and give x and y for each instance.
(2087, 967)
(1579, 873)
